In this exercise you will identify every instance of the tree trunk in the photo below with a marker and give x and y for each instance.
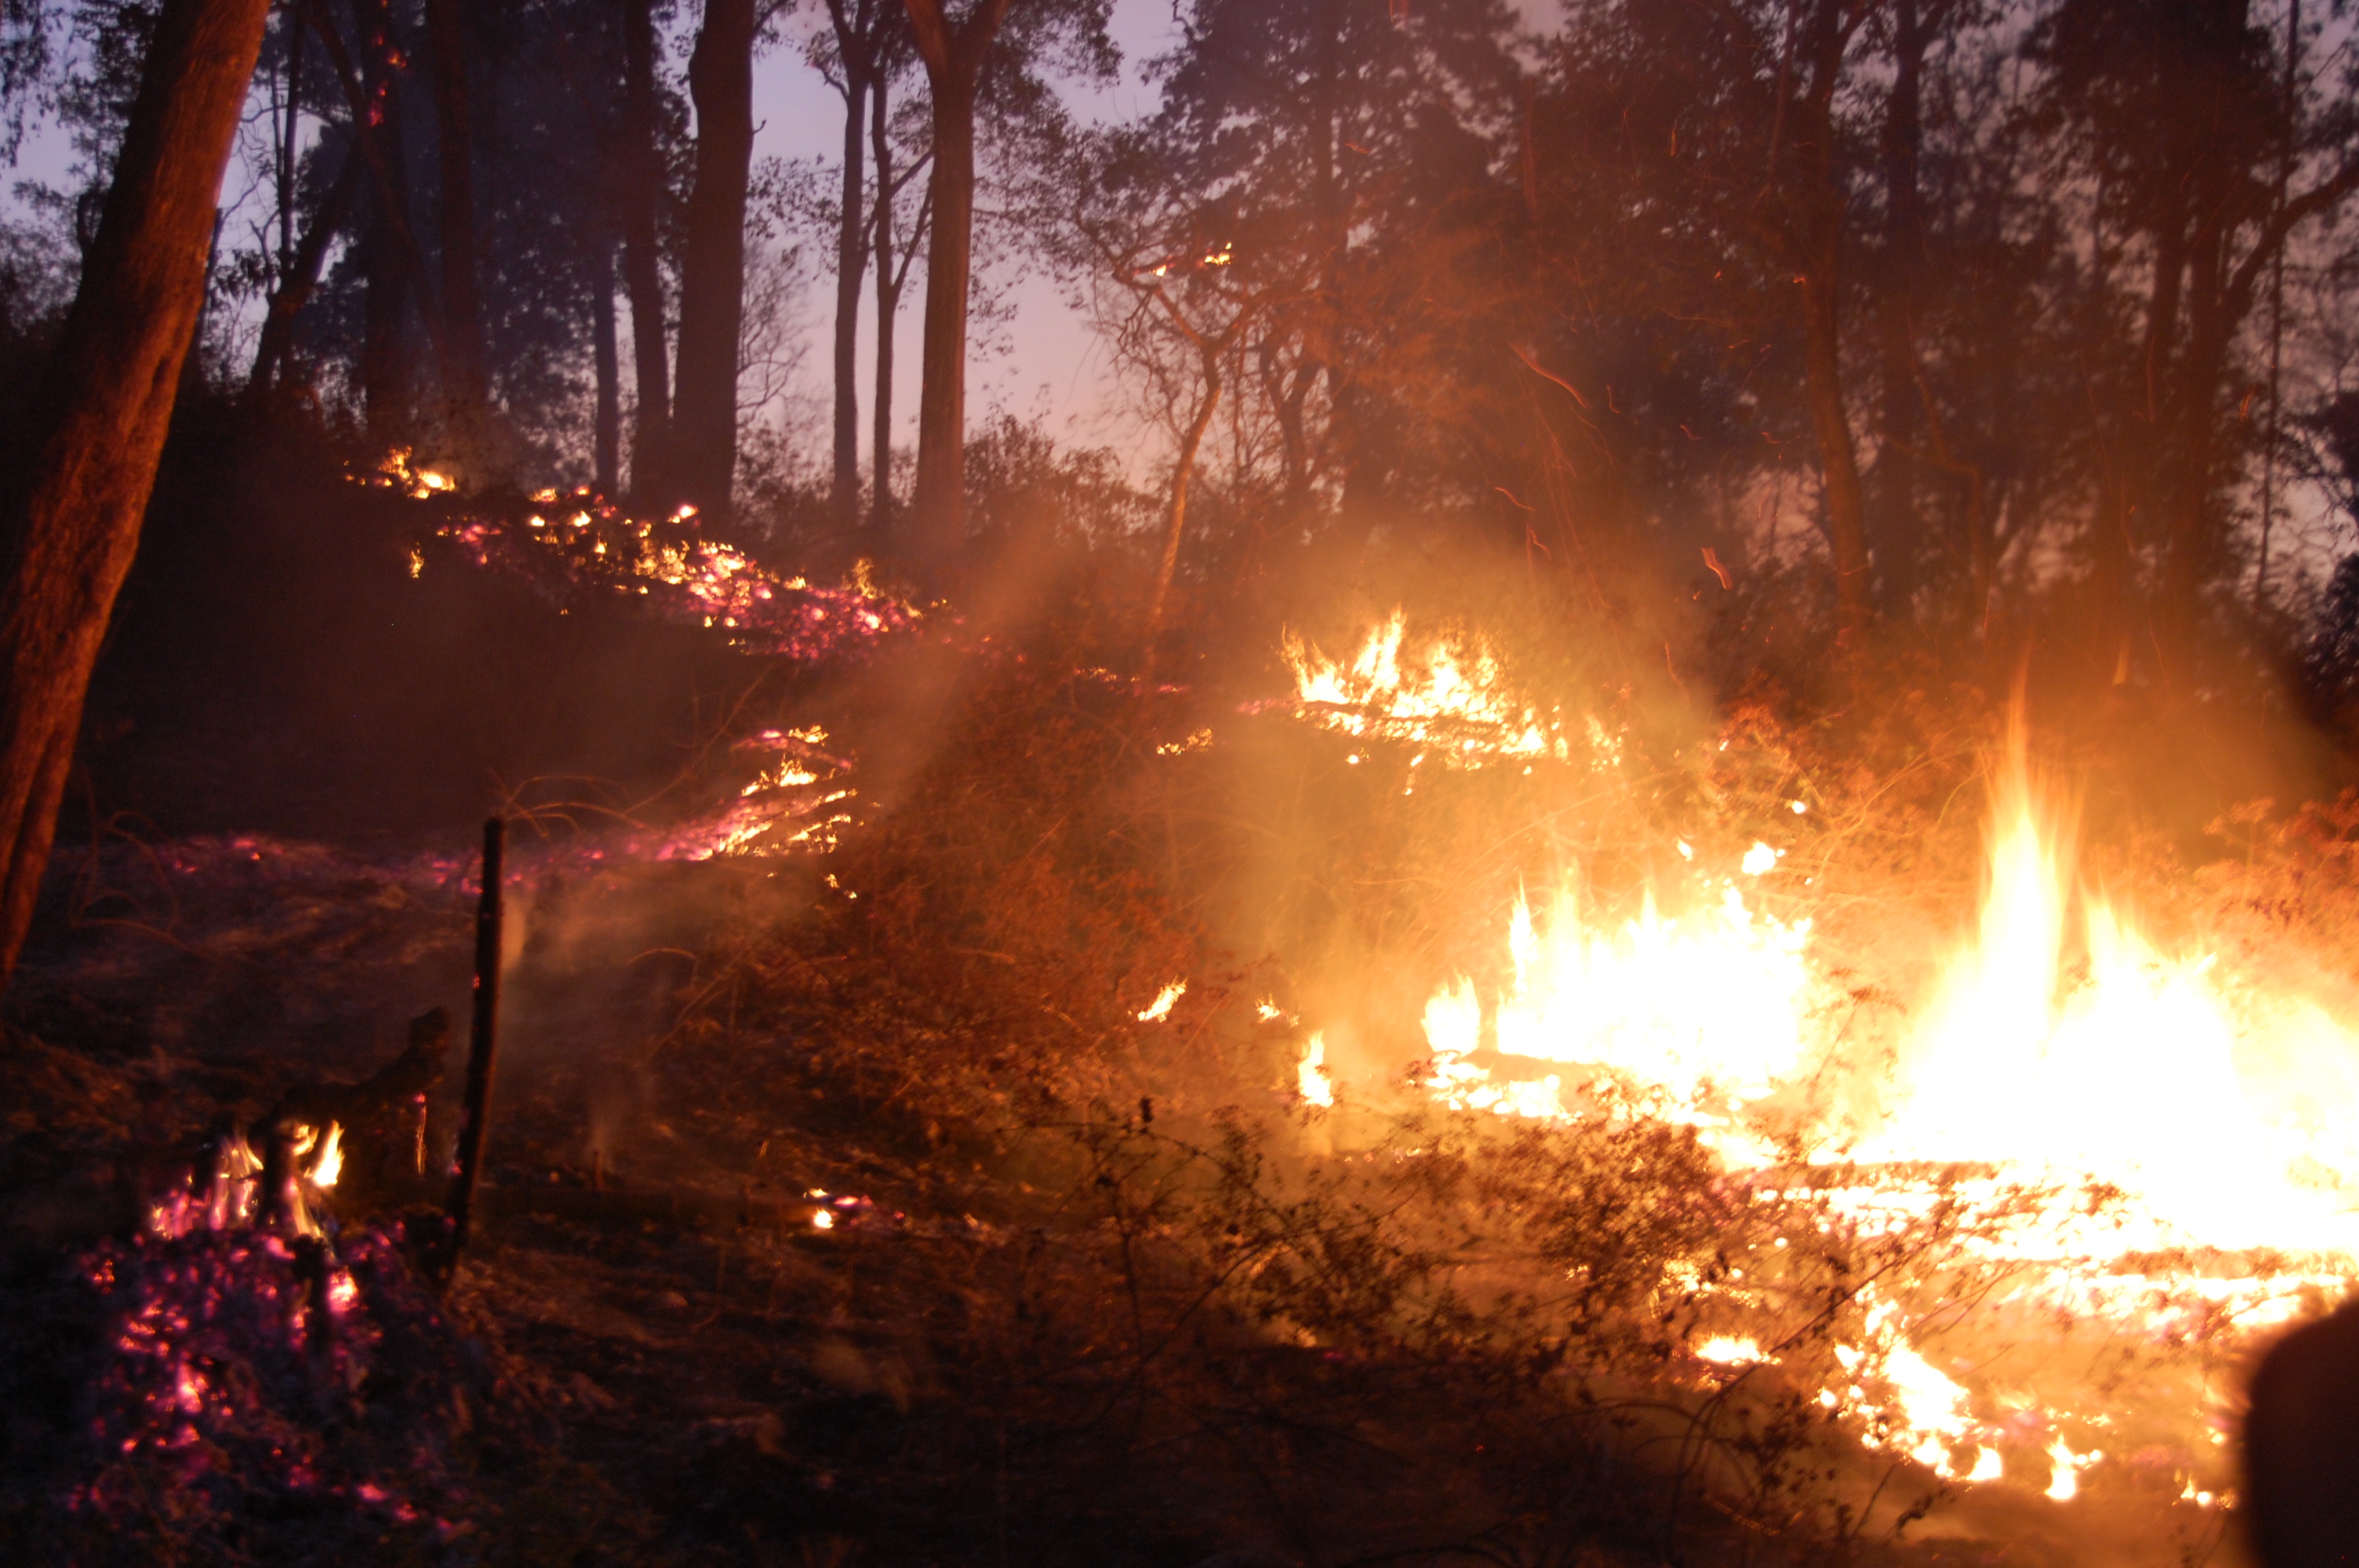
(1175, 521)
(608, 420)
(1819, 201)
(462, 365)
(384, 353)
(1899, 532)
(642, 185)
(850, 265)
(889, 305)
(1831, 423)
(301, 276)
(285, 136)
(704, 456)
(105, 402)
(851, 30)
(954, 57)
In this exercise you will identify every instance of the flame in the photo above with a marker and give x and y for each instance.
(328, 1163)
(2130, 1076)
(1310, 1077)
(1704, 1005)
(1449, 698)
(2151, 1143)
(1158, 1010)
(600, 546)
(1728, 1350)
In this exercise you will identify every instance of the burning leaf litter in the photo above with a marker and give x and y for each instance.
(1447, 697)
(578, 542)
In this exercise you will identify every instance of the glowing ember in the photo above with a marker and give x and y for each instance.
(1158, 1010)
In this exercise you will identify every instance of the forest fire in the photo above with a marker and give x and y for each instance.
(2130, 1140)
(1538, 784)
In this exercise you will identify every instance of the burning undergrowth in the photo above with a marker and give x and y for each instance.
(1275, 1136)
(579, 543)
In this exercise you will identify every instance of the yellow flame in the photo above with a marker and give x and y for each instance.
(2061, 1047)
(1158, 1010)
(1705, 1005)
(1311, 1078)
(1728, 1351)
(329, 1162)
(1449, 697)
(2130, 1075)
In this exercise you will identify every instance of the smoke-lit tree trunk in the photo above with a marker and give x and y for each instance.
(639, 174)
(953, 54)
(605, 352)
(461, 346)
(1175, 521)
(105, 406)
(703, 449)
(1899, 533)
(299, 277)
(386, 260)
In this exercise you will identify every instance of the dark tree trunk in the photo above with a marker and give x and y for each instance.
(1831, 423)
(854, 30)
(301, 276)
(105, 403)
(463, 364)
(608, 421)
(286, 133)
(953, 55)
(850, 265)
(889, 305)
(385, 350)
(642, 184)
(704, 456)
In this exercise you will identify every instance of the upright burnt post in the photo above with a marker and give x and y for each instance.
(483, 1043)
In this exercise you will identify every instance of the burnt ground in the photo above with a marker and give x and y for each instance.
(1000, 1354)
(690, 1371)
